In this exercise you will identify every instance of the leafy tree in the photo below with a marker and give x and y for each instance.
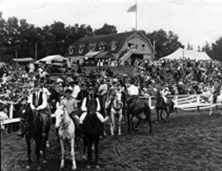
(106, 29)
(165, 42)
(215, 51)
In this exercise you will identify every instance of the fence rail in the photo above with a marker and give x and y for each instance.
(184, 102)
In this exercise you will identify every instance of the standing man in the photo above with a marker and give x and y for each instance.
(217, 88)
(102, 92)
(76, 89)
(133, 91)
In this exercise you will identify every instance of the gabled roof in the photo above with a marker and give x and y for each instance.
(107, 39)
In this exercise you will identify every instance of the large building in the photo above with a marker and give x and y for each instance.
(126, 46)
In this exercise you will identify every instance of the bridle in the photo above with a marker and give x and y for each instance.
(62, 124)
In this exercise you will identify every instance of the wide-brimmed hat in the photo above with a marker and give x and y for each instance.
(68, 90)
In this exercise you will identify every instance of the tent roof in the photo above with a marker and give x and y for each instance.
(49, 59)
(91, 54)
(188, 54)
(23, 59)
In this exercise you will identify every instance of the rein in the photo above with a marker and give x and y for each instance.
(65, 125)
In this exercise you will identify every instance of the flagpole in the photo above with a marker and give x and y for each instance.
(136, 17)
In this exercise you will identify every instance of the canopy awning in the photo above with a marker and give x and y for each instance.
(101, 55)
(52, 58)
(91, 54)
(22, 59)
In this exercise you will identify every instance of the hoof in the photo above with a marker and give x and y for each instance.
(74, 168)
(44, 161)
(28, 167)
(84, 157)
(97, 166)
(47, 145)
(61, 166)
(88, 167)
(41, 152)
(39, 168)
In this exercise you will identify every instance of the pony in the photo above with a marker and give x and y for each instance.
(35, 122)
(162, 106)
(66, 132)
(209, 98)
(136, 108)
(116, 110)
(92, 129)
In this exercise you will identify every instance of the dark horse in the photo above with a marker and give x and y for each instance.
(136, 108)
(162, 106)
(92, 129)
(34, 123)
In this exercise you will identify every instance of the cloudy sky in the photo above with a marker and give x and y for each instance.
(195, 21)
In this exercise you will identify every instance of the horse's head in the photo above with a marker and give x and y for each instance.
(59, 114)
(26, 114)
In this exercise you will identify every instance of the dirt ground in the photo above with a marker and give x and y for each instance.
(190, 141)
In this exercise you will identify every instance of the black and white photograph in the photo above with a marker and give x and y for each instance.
(111, 85)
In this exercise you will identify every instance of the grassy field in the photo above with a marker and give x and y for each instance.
(190, 141)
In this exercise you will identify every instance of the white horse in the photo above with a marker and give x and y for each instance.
(66, 131)
(209, 95)
(116, 110)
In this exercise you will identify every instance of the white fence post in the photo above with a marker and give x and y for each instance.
(11, 111)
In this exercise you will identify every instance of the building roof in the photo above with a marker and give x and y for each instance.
(119, 39)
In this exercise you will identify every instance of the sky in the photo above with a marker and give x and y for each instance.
(194, 21)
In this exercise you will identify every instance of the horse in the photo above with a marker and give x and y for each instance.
(92, 129)
(116, 110)
(136, 107)
(209, 96)
(161, 106)
(35, 121)
(66, 132)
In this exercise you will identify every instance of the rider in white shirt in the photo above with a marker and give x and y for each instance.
(133, 92)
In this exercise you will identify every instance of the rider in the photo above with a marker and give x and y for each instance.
(217, 88)
(38, 103)
(69, 103)
(165, 91)
(102, 91)
(91, 105)
(133, 91)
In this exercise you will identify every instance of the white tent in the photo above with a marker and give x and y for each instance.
(52, 58)
(187, 54)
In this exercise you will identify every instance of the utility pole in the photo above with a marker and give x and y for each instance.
(16, 57)
(36, 51)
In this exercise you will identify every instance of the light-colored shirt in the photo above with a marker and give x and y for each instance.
(46, 91)
(76, 90)
(133, 90)
(84, 108)
(103, 89)
(70, 104)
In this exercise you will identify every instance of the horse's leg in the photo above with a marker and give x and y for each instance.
(168, 114)
(28, 142)
(211, 110)
(97, 153)
(139, 121)
(157, 115)
(44, 149)
(132, 123)
(161, 116)
(62, 154)
(112, 122)
(37, 152)
(89, 151)
(128, 118)
(120, 121)
(84, 149)
(148, 117)
(72, 142)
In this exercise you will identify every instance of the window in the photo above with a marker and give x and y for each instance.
(81, 48)
(102, 46)
(113, 45)
(92, 46)
(71, 51)
(143, 46)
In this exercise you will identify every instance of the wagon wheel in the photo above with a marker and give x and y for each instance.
(163, 115)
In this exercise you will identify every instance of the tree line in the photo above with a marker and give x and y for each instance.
(20, 38)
